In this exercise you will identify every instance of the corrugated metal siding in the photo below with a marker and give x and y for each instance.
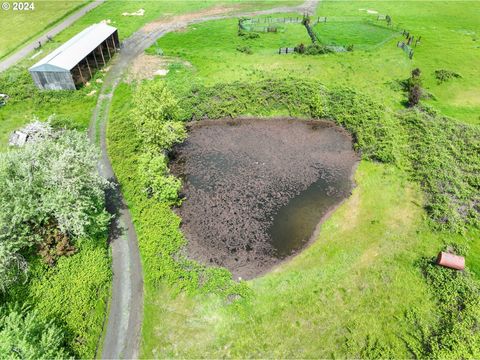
(50, 80)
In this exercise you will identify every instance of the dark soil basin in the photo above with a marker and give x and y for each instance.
(256, 190)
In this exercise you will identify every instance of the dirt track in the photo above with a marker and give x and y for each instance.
(238, 174)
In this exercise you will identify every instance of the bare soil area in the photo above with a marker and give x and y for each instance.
(255, 190)
(147, 66)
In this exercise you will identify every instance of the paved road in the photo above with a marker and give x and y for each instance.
(125, 316)
(20, 54)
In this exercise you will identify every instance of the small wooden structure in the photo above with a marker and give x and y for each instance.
(451, 261)
(75, 62)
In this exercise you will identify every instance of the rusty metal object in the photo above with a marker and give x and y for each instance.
(451, 261)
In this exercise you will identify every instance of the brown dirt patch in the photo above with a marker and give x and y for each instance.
(216, 10)
(146, 66)
(255, 190)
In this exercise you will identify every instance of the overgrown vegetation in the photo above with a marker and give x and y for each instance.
(160, 238)
(23, 335)
(156, 117)
(443, 75)
(455, 332)
(445, 159)
(53, 258)
(52, 182)
(413, 86)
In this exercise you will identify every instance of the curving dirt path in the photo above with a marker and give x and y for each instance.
(123, 328)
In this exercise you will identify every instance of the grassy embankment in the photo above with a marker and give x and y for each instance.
(349, 293)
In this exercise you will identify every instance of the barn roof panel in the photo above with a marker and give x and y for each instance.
(78, 47)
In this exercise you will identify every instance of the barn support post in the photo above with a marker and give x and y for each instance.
(113, 42)
(101, 52)
(108, 50)
(88, 67)
(95, 58)
(80, 71)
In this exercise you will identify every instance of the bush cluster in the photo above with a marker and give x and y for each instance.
(155, 114)
(443, 75)
(245, 49)
(312, 49)
(23, 335)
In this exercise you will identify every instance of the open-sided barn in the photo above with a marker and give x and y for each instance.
(75, 62)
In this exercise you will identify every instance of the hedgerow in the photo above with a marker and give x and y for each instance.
(443, 156)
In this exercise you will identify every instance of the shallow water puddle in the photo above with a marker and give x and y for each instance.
(295, 223)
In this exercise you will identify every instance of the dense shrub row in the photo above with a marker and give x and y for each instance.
(442, 154)
(157, 226)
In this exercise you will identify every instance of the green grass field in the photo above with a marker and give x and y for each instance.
(18, 27)
(448, 42)
(362, 35)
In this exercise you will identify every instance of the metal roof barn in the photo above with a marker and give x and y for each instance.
(75, 62)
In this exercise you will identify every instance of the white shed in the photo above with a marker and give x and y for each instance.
(75, 62)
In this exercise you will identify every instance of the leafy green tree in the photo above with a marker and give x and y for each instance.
(24, 336)
(156, 179)
(156, 116)
(49, 181)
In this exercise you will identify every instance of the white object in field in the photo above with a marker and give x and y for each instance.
(139, 12)
(35, 55)
(32, 132)
(161, 72)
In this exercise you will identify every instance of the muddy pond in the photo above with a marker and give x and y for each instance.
(256, 190)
